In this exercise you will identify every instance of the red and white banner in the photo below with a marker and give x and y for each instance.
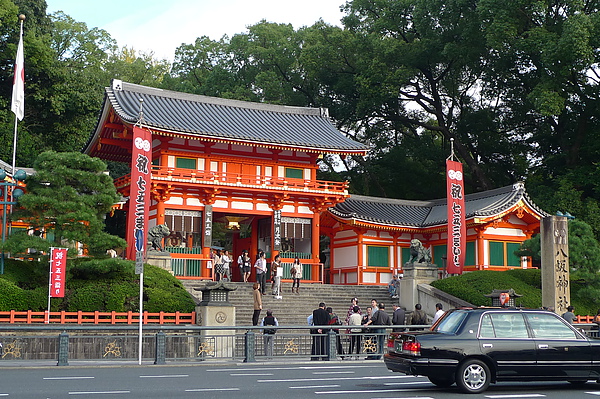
(18, 94)
(457, 229)
(58, 266)
(139, 193)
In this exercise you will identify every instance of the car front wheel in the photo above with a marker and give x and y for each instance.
(473, 376)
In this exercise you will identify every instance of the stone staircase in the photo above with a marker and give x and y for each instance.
(293, 309)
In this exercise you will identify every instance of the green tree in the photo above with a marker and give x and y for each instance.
(68, 197)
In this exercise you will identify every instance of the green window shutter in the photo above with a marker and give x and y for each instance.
(185, 163)
(405, 255)
(470, 257)
(439, 252)
(513, 260)
(496, 253)
(294, 173)
(378, 256)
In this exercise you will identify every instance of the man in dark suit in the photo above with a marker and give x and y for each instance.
(381, 319)
(319, 339)
(398, 318)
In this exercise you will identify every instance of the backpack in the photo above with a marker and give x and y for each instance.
(269, 321)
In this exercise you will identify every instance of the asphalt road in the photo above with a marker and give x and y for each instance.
(326, 380)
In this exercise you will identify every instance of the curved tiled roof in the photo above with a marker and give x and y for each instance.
(212, 117)
(405, 213)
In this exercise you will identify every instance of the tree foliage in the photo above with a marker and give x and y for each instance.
(68, 197)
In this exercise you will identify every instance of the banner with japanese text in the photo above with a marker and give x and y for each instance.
(139, 194)
(58, 266)
(457, 230)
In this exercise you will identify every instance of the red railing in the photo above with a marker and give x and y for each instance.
(30, 317)
(238, 180)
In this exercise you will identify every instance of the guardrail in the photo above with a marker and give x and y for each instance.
(185, 343)
(96, 317)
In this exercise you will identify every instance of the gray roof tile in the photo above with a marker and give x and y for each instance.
(214, 117)
(405, 213)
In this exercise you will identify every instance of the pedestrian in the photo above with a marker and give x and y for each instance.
(319, 335)
(226, 258)
(257, 303)
(269, 333)
(393, 286)
(439, 312)
(244, 265)
(398, 318)
(275, 277)
(355, 333)
(218, 263)
(379, 319)
(353, 303)
(296, 272)
(569, 315)
(418, 317)
(334, 320)
(596, 320)
(261, 271)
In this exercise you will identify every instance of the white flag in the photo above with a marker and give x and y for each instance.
(18, 95)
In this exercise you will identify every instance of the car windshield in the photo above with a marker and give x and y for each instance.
(451, 322)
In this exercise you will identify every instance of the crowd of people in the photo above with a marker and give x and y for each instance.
(221, 262)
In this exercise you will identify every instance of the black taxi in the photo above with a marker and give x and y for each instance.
(479, 346)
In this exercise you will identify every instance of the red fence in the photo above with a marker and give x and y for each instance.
(30, 317)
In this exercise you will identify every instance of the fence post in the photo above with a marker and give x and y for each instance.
(250, 346)
(160, 356)
(332, 342)
(63, 349)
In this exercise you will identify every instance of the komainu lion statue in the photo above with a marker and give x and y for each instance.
(418, 253)
(156, 235)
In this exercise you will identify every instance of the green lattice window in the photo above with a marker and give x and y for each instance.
(378, 256)
(185, 163)
(294, 173)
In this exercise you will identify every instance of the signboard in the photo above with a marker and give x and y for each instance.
(277, 230)
(207, 221)
(556, 291)
(457, 230)
(139, 195)
(58, 265)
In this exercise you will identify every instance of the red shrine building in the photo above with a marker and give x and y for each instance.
(249, 170)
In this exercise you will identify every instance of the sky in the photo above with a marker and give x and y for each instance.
(163, 25)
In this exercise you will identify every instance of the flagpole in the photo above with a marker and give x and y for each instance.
(18, 92)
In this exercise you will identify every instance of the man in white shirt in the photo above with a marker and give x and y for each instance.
(438, 312)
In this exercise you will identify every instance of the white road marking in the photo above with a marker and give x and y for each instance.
(243, 374)
(288, 368)
(315, 386)
(409, 397)
(97, 392)
(360, 392)
(67, 378)
(407, 383)
(337, 379)
(165, 376)
(597, 393)
(211, 389)
(529, 395)
(333, 372)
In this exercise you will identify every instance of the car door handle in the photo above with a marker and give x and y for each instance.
(543, 346)
(488, 345)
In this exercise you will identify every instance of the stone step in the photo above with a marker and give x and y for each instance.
(292, 308)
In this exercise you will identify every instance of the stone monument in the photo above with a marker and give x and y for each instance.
(418, 270)
(556, 291)
(215, 310)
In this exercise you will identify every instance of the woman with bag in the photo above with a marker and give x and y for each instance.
(296, 272)
(243, 262)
